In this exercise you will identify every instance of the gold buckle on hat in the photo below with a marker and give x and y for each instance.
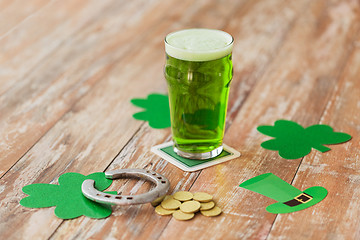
(299, 199)
(303, 198)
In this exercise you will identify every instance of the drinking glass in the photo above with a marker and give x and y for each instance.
(198, 72)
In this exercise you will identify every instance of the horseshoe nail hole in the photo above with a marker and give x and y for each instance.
(118, 197)
(154, 174)
(107, 196)
(148, 171)
(159, 177)
(163, 181)
(97, 194)
(129, 198)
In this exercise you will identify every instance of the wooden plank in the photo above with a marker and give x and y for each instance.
(128, 222)
(33, 106)
(25, 47)
(67, 147)
(309, 61)
(13, 13)
(4, 4)
(338, 216)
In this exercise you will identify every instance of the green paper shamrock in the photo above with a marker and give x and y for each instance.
(157, 110)
(67, 196)
(293, 141)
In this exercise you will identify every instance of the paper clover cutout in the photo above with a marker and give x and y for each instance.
(157, 110)
(294, 141)
(67, 196)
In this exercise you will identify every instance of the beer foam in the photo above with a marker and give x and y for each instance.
(198, 44)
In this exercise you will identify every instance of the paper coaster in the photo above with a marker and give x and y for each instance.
(166, 151)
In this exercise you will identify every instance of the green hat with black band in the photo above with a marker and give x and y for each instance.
(290, 199)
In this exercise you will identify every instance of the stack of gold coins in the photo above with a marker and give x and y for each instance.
(183, 205)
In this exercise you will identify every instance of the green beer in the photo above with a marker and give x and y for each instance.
(198, 71)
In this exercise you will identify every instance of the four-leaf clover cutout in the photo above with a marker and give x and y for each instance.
(157, 110)
(294, 141)
(67, 196)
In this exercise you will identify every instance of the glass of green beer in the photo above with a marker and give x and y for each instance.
(198, 72)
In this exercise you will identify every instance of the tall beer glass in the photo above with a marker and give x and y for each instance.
(198, 71)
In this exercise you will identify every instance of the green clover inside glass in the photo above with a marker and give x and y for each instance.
(294, 141)
(67, 196)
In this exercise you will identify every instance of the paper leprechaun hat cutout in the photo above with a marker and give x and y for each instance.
(290, 199)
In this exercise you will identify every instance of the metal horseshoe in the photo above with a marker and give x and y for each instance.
(162, 187)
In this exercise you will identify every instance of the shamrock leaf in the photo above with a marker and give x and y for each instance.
(68, 197)
(157, 110)
(293, 141)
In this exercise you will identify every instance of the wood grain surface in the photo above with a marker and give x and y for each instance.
(69, 69)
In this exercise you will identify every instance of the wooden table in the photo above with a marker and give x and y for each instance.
(69, 69)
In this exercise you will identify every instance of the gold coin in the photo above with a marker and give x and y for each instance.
(157, 201)
(202, 197)
(183, 196)
(162, 211)
(190, 206)
(168, 197)
(170, 204)
(179, 215)
(212, 212)
(206, 205)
